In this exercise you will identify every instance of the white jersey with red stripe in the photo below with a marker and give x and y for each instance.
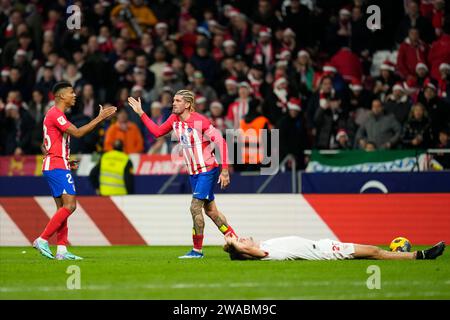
(56, 140)
(198, 152)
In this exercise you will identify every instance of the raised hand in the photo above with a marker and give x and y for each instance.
(136, 105)
(106, 112)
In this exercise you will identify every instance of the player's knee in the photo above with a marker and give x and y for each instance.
(72, 206)
(377, 253)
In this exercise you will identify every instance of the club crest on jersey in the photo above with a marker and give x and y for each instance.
(61, 120)
(184, 139)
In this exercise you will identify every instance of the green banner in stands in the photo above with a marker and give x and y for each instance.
(363, 161)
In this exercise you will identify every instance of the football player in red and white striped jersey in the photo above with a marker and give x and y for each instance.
(195, 133)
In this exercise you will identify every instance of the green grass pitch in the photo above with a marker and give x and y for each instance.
(156, 273)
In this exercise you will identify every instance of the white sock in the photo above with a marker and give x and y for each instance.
(61, 249)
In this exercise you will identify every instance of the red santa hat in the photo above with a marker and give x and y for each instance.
(200, 99)
(156, 105)
(265, 32)
(345, 12)
(444, 66)
(216, 104)
(398, 86)
(421, 65)
(120, 62)
(303, 53)
(410, 85)
(341, 133)
(329, 68)
(245, 84)
(294, 104)
(231, 80)
(137, 88)
(387, 65)
(233, 12)
(356, 85)
(288, 32)
(11, 106)
(20, 52)
(284, 54)
(5, 72)
(228, 43)
(278, 81)
(161, 25)
(168, 71)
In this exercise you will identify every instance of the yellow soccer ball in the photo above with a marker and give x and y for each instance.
(400, 244)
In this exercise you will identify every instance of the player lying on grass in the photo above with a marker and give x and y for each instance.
(297, 248)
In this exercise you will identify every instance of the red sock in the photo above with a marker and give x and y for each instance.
(62, 234)
(198, 241)
(229, 231)
(55, 223)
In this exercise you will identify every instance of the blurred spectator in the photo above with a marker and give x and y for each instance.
(347, 63)
(264, 50)
(231, 93)
(421, 73)
(328, 120)
(360, 100)
(254, 126)
(203, 62)
(293, 133)
(238, 109)
(398, 103)
(297, 17)
(443, 143)
(385, 81)
(437, 109)
(440, 51)
(126, 131)
(320, 98)
(417, 130)
(113, 175)
(304, 73)
(370, 146)
(380, 128)
(17, 127)
(275, 104)
(412, 51)
(414, 19)
(216, 116)
(136, 16)
(342, 140)
(154, 145)
(201, 87)
(444, 82)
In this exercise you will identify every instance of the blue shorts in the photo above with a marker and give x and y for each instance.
(60, 182)
(203, 184)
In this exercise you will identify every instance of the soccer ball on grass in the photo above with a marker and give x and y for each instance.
(400, 244)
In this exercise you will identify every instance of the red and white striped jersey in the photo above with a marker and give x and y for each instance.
(195, 136)
(56, 141)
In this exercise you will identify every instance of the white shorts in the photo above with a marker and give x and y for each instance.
(335, 250)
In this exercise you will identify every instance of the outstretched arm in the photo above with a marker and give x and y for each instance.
(165, 128)
(82, 131)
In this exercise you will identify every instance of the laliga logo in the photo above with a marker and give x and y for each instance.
(374, 184)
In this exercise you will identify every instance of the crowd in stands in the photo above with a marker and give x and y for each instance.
(311, 68)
